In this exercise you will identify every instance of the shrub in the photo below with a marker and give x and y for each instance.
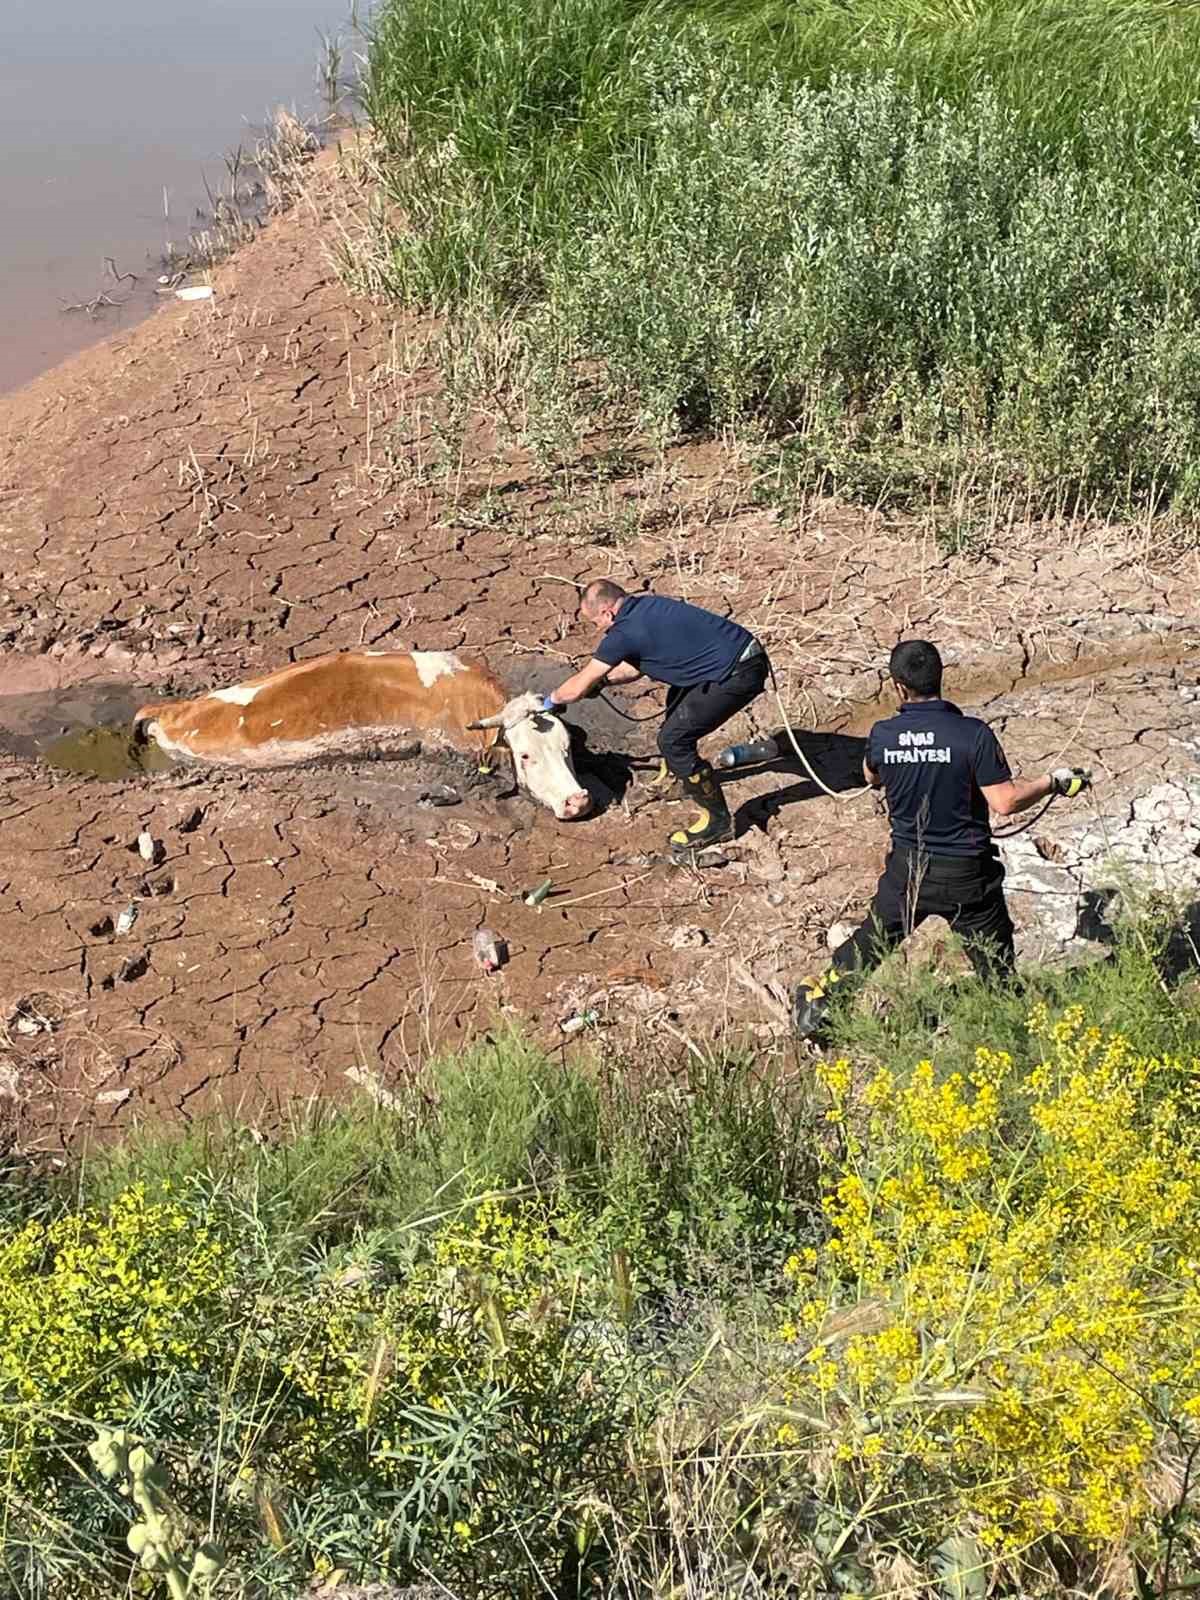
(901, 238)
(1002, 1326)
(91, 1305)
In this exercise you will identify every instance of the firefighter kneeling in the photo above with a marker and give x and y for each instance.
(942, 773)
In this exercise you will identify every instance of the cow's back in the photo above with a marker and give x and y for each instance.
(339, 704)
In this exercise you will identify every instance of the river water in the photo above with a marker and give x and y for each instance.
(105, 107)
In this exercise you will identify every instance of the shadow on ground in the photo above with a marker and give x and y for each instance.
(836, 758)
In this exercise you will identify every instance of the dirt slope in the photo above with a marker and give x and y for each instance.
(243, 482)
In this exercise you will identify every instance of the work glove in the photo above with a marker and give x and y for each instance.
(1070, 781)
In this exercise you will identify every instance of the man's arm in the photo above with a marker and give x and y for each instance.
(871, 761)
(1016, 794)
(585, 682)
(625, 672)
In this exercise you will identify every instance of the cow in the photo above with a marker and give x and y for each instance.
(356, 701)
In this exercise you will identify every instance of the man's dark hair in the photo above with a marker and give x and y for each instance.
(602, 592)
(916, 664)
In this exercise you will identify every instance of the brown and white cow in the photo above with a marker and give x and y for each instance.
(355, 701)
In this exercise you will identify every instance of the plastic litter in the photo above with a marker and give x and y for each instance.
(536, 896)
(196, 291)
(490, 949)
(585, 1019)
(127, 919)
(743, 755)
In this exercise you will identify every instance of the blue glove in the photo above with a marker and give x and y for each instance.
(549, 703)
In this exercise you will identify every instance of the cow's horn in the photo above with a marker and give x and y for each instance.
(488, 722)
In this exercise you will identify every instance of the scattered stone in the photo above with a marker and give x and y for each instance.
(113, 1097)
(838, 934)
(126, 920)
(148, 847)
(134, 967)
(192, 821)
(687, 937)
(441, 794)
(712, 858)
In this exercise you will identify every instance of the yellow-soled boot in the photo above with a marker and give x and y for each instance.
(714, 824)
(810, 1005)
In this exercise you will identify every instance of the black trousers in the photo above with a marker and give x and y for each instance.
(968, 891)
(696, 711)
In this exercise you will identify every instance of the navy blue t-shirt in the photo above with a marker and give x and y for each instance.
(933, 762)
(672, 642)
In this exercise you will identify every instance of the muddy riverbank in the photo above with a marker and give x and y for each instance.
(246, 481)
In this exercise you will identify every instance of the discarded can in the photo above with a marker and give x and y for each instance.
(536, 896)
(585, 1019)
(127, 918)
(491, 952)
(743, 755)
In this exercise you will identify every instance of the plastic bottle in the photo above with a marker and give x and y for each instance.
(743, 755)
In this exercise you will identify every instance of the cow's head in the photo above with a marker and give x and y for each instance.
(541, 752)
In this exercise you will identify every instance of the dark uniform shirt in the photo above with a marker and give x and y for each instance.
(933, 762)
(673, 642)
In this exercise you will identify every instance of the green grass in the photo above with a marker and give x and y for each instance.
(957, 241)
(540, 1300)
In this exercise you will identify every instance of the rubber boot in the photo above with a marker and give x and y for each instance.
(810, 1006)
(661, 779)
(714, 824)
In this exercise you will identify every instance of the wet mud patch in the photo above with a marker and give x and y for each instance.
(85, 729)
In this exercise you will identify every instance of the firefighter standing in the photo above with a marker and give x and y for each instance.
(942, 773)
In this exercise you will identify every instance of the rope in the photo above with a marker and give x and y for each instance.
(1011, 833)
(844, 794)
(613, 706)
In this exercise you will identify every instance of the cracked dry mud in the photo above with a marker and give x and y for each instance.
(257, 479)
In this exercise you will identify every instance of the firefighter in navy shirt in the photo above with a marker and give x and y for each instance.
(713, 668)
(942, 773)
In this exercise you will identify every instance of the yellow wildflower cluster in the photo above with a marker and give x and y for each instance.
(1010, 1295)
(90, 1303)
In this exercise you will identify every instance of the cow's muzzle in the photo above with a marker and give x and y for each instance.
(574, 806)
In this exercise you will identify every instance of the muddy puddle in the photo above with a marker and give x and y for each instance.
(85, 729)
(113, 119)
